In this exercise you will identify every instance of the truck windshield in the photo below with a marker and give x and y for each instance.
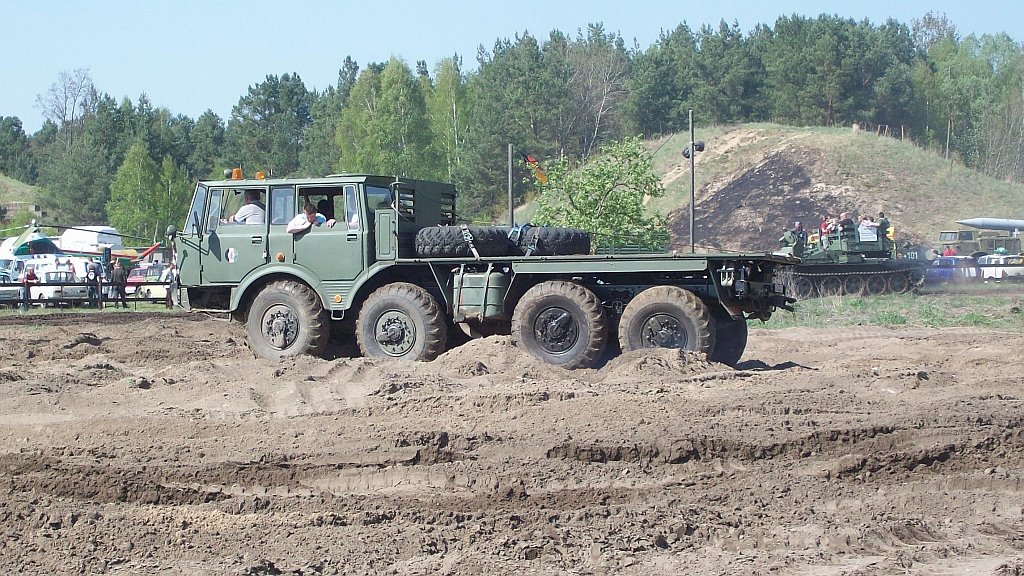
(195, 212)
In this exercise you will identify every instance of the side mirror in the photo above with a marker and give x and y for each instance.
(172, 232)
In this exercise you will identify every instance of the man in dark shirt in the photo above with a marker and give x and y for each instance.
(93, 277)
(119, 278)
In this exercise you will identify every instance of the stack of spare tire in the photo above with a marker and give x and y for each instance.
(451, 241)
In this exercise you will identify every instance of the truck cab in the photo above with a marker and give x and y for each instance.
(374, 219)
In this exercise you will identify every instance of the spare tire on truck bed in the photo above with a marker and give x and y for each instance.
(551, 241)
(450, 242)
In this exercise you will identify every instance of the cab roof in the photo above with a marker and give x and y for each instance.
(377, 179)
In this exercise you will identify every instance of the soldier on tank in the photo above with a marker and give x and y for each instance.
(799, 239)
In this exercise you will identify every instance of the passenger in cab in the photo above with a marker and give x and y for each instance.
(308, 218)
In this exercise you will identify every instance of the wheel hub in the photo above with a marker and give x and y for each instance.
(662, 331)
(280, 326)
(555, 330)
(395, 333)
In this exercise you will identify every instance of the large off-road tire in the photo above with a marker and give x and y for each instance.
(401, 321)
(551, 241)
(666, 317)
(287, 319)
(730, 338)
(561, 323)
(449, 242)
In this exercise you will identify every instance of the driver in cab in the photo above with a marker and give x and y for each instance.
(252, 212)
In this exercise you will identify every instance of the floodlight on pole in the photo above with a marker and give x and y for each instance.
(689, 152)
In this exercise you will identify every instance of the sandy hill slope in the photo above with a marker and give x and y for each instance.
(755, 180)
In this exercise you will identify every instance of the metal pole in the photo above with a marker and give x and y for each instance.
(693, 182)
(511, 207)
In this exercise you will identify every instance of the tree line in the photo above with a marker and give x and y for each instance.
(133, 164)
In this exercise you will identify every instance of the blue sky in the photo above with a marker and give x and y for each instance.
(190, 56)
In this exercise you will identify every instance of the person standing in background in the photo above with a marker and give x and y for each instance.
(118, 280)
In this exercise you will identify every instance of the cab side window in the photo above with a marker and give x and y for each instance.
(195, 213)
(351, 208)
(282, 205)
(214, 214)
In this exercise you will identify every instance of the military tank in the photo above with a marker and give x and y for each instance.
(842, 263)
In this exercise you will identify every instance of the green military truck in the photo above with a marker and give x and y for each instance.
(400, 272)
(978, 243)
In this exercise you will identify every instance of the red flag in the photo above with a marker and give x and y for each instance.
(534, 166)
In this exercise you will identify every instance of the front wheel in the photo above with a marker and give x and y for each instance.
(561, 323)
(401, 321)
(666, 317)
(287, 319)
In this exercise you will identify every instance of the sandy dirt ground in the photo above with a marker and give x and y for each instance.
(157, 444)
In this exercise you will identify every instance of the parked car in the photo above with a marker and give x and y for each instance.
(58, 295)
(958, 269)
(10, 292)
(1002, 267)
(138, 279)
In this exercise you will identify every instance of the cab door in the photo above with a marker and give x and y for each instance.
(336, 254)
(234, 249)
(189, 242)
(281, 208)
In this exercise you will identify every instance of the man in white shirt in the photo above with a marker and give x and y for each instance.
(252, 212)
(307, 218)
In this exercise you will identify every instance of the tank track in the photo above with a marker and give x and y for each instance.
(837, 282)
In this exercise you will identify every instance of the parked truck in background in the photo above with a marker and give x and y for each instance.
(978, 243)
(401, 273)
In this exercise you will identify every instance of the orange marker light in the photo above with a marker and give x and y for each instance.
(279, 256)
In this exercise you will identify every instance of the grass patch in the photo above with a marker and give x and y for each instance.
(1001, 308)
(12, 190)
(11, 309)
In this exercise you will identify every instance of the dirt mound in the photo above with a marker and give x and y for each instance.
(751, 209)
(161, 445)
(775, 177)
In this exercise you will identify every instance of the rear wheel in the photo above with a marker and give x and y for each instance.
(666, 317)
(401, 321)
(561, 323)
(287, 319)
(730, 338)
